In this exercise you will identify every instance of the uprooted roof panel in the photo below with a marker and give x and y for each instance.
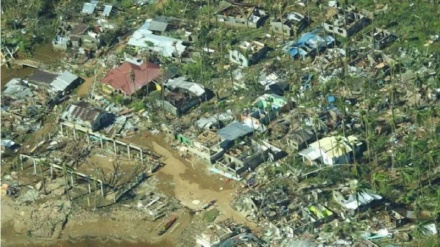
(63, 81)
(82, 112)
(234, 130)
(42, 76)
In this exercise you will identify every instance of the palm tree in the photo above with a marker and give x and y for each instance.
(380, 181)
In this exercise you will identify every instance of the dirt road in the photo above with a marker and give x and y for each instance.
(192, 182)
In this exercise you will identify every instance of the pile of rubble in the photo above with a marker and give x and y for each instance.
(47, 221)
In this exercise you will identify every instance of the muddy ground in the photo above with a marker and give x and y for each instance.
(185, 179)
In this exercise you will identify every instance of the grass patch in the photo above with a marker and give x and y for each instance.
(211, 215)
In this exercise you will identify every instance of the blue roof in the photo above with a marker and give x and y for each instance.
(331, 99)
(234, 130)
(307, 43)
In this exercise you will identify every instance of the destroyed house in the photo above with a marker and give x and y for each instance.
(18, 89)
(382, 38)
(272, 203)
(248, 53)
(346, 22)
(182, 84)
(308, 45)
(258, 118)
(145, 39)
(290, 24)
(42, 78)
(242, 157)
(332, 150)
(271, 102)
(232, 132)
(177, 102)
(69, 35)
(355, 200)
(77, 33)
(61, 41)
(131, 76)
(86, 115)
(241, 15)
(300, 138)
(213, 236)
(182, 95)
(207, 146)
(312, 215)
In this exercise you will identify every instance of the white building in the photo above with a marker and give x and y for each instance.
(213, 236)
(331, 150)
(144, 39)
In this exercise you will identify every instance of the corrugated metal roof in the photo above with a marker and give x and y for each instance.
(88, 8)
(16, 89)
(158, 26)
(42, 76)
(107, 10)
(181, 83)
(63, 81)
(234, 130)
(82, 113)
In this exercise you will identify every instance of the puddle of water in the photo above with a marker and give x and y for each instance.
(43, 53)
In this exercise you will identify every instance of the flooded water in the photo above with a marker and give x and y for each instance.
(43, 53)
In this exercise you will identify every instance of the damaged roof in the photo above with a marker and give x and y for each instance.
(144, 38)
(42, 76)
(16, 88)
(107, 10)
(79, 29)
(82, 112)
(234, 130)
(181, 83)
(63, 81)
(88, 8)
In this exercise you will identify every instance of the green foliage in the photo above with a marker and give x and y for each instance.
(119, 99)
(211, 215)
(137, 105)
(126, 3)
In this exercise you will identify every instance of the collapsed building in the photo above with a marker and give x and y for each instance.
(346, 22)
(241, 15)
(248, 53)
(86, 115)
(290, 24)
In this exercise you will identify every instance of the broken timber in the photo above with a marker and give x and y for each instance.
(139, 179)
(52, 166)
(115, 142)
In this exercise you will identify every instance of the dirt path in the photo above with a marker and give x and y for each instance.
(187, 189)
(86, 87)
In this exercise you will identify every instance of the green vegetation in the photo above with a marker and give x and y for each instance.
(211, 215)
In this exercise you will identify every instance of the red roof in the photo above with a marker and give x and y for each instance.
(121, 78)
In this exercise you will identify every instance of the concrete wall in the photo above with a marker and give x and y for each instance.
(278, 27)
(240, 58)
(342, 31)
(237, 57)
